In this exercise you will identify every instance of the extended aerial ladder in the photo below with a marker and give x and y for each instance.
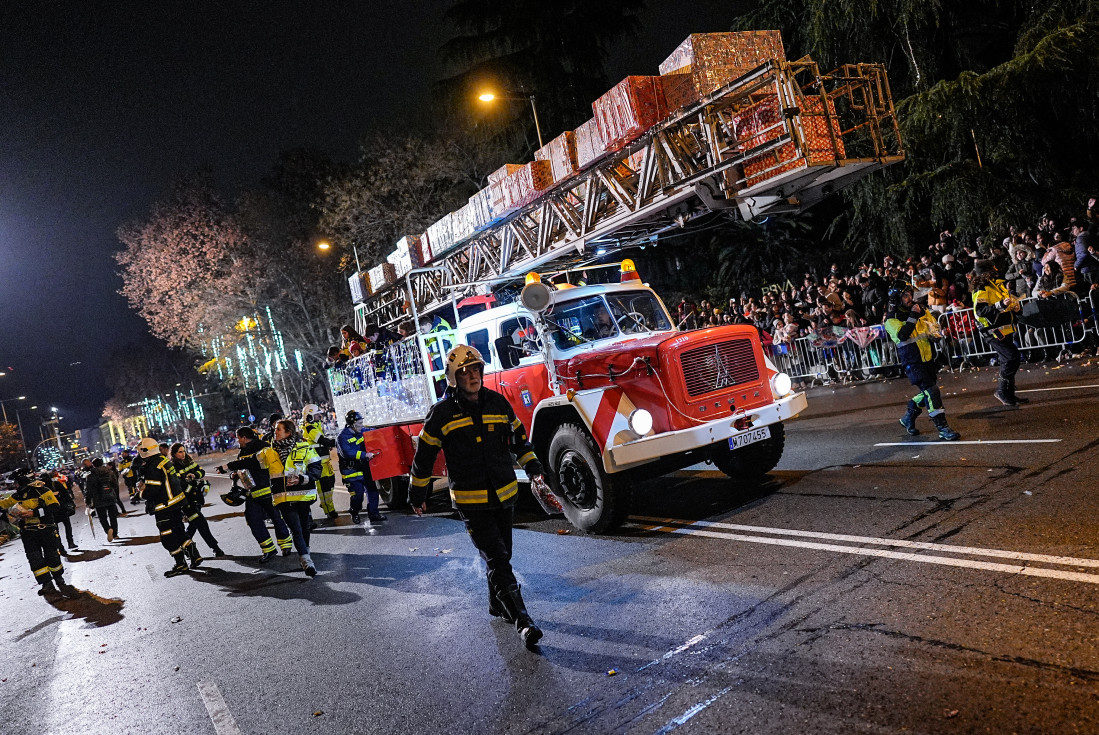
(697, 160)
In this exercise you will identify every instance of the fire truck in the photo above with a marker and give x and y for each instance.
(609, 389)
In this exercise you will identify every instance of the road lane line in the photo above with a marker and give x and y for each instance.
(956, 443)
(224, 724)
(1064, 387)
(1071, 561)
(901, 555)
(691, 712)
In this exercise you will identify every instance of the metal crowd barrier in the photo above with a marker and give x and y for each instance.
(859, 354)
(852, 355)
(963, 340)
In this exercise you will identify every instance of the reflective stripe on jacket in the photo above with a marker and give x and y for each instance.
(303, 463)
(263, 463)
(480, 441)
(988, 314)
(313, 433)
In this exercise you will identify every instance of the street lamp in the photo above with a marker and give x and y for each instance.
(325, 245)
(4, 406)
(490, 96)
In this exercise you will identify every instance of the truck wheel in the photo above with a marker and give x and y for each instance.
(393, 491)
(752, 462)
(594, 501)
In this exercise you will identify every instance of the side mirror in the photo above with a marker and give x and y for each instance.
(507, 353)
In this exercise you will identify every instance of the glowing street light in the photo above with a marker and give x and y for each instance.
(491, 96)
(325, 245)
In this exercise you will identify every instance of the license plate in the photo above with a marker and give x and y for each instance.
(749, 437)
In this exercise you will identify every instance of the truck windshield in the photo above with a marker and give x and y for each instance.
(597, 318)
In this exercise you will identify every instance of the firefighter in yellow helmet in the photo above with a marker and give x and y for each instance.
(34, 507)
(477, 430)
(163, 494)
(313, 432)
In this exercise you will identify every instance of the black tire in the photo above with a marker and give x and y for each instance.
(393, 491)
(594, 501)
(752, 462)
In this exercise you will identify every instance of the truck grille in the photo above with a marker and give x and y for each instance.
(713, 367)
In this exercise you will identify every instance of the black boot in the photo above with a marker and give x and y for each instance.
(512, 601)
(945, 432)
(180, 567)
(47, 587)
(1005, 394)
(1011, 387)
(66, 589)
(908, 421)
(495, 608)
(192, 552)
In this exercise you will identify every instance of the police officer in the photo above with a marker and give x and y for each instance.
(355, 468)
(995, 309)
(192, 478)
(301, 470)
(910, 326)
(163, 495)
(262, 474)
(35, 508)
(313, 432)
(478, 431)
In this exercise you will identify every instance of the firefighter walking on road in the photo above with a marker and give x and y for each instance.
(477, 430)
(313, 432)
(301, 470)
(355, 468)
(34, 507)
(996, 308)
(910, 326)
(163, 495)
(260, 470)
(192, 478)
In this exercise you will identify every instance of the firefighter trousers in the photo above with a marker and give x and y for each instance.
(299, 520)
(256, 512)
(40, 546)
(490, 531)
(324, 494)
(173, 536)
(358, 487)
(197, 523)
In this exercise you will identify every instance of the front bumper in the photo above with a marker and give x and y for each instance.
(640, 451)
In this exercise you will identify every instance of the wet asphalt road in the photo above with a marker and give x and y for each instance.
(934, 588)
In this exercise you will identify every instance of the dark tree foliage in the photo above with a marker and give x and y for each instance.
(552, 49)
(997, 103)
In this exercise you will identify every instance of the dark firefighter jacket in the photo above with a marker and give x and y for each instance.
(38, 498)
(263, 464)
(163, 489)
(479, 441)
(353, 460)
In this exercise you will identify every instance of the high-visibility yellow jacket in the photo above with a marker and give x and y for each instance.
(314, 434)
(995, 307)
(303, 463)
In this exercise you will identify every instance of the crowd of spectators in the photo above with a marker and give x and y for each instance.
(1053, 257)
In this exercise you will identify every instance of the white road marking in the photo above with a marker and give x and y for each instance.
(692, 711)
(1064, 387)
(224, 724)
(886, 554)
(1071, 561)
(956, 443)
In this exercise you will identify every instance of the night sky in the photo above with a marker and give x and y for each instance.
(104, 105)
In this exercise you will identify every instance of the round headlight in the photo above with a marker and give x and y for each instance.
(641, 422)
(781, 384)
